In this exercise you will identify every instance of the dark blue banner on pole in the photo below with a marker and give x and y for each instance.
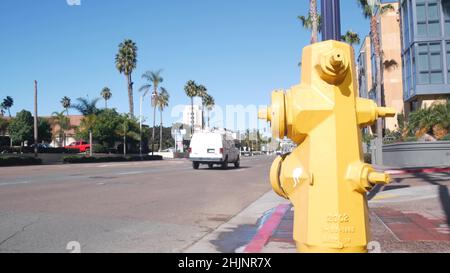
(331, 20)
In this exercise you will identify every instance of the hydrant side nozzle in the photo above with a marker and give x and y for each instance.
(386, 112)
(379, 178)
(265, 113)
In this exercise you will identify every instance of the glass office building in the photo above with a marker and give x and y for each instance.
(425, 50)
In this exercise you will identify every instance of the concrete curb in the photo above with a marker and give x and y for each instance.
(249, 216)
(263, 235)
(412, 171)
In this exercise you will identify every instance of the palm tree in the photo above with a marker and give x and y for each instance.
(153, 77)
(86, 107)
(60, 121)
(209, 103)
(3, 126)
(370, 11)
(106, 95)
(7, 103)
(202, 92)
(351, 38)
(163, 102)
(66, 103)
(312, 21)
(191, 90)
(126, 61)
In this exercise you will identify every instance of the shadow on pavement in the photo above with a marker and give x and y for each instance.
(229, 242)
(444, 194)
(220, 169)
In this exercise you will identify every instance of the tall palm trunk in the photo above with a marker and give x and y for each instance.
(315, 22)
(130, 95)
(203, 114)
(154, 99)
(376, 45)
(160, 130)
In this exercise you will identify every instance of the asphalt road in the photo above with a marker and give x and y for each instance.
(122, 207)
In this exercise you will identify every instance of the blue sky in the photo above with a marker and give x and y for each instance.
(239, 49)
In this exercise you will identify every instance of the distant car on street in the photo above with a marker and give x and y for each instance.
(169, 150)
(42, 146)
(213, 148)
(82, 146)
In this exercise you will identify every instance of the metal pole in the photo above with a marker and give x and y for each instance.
(124, 139)
(90, 143)
(331, 20)
(140, 127)
(35, 120)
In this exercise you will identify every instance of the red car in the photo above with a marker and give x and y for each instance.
(82, 146)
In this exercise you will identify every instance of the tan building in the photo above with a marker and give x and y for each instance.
(392, 84)
(75, 121)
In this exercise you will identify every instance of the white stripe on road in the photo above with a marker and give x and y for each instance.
(14, 183)
(128, 173)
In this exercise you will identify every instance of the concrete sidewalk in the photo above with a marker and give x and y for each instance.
(411, 215)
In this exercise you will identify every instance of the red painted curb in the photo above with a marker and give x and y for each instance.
(266, 231)
(410, 171)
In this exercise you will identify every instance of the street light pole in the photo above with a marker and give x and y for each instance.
(331, 20)
(140, 126)
(35, 121)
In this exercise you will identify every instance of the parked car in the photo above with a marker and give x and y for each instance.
(82, 146)
(42, 146)
(169, 150)
(213, 148)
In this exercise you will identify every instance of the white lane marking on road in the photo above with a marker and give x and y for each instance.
(111, 165)
(128, 173)
(14, 183)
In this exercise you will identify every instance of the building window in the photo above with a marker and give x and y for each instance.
(429, 63)
(414, 66)
(446, 9)
(448, 62)
(411, 21)
(428, 18)
(406, 24)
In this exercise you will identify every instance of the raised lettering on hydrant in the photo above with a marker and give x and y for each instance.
(325, 176)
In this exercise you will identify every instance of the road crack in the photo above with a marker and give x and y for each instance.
(19, 231)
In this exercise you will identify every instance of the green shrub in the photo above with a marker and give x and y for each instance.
(100, 149)
(29, 150)
(446, 138)
(19, 161)
(410, 139)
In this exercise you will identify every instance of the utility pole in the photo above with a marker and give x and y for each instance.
(125, 139)
(140, 126)
(154, 100)
(91, 147)
(35, 120)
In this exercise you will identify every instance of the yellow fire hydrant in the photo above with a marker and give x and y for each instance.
(325, 177)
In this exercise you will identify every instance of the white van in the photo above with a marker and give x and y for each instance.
(213, 148)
